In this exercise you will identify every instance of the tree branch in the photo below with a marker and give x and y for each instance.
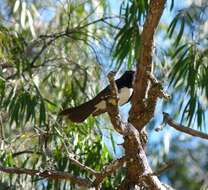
(163, 168)
(156, 91)
(139, 165)
(183, 128)
(50, 174)
(134, 151)
(98, 175)
(144, 64)
(143, 107)
(71, 156)
(112, 105)
(79, 164)
(109, 169)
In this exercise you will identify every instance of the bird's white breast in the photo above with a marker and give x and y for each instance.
(124, 95)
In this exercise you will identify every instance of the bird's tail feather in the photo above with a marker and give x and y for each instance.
(80, 113)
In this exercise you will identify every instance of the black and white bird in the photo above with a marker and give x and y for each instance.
(97, 105)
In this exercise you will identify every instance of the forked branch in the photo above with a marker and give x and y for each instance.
(131, 134)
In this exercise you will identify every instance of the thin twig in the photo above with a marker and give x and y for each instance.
(163, 168)
(25, 152)
(79, 164)
(71, 157)
(99, 176)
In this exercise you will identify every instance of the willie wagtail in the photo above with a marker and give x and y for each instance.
(97, 105)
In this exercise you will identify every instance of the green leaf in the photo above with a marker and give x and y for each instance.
(2, 90)
(172, 5)
(180, 32)
(179, 49)
(200, 114)
(172, 26)
(9, 161)
(16, 6)
(30, 21)
(23, 14)
(191, 110)
(179, 69)
(113, 142)
(8, 99)
(42, 118)
(30, 105)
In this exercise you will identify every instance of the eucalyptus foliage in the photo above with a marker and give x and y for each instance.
(51, 56)
(45, 66)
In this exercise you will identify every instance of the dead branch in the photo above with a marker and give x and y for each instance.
(183, 128)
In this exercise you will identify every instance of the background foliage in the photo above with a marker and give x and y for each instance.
(53, 55)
